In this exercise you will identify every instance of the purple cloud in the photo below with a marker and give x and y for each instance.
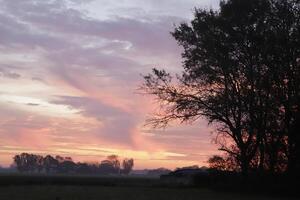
(84, 60)
(116, 124)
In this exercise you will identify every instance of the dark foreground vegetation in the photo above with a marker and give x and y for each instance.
(271, 186)
(70, 187)
(76, 180)
(116, 193)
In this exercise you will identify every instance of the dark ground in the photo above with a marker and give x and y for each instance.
(36, 187)
(59, 192)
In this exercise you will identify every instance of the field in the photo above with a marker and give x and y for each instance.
(115, 193)
(108, 188)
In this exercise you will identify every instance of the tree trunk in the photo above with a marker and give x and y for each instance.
(261, 157)
(244, 162)
(294, 146)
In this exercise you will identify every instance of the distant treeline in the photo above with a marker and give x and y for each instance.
(33, 163)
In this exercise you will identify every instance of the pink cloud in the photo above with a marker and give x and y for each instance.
(91, 66)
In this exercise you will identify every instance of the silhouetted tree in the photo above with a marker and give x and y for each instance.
(39, 163)
(50, 164)
(30, 162)
(27, 162)
(127, 165)
(83, 168)
(217, 162)
(18, 161)
(241, 72)
(111, 165)
(114, 159)
(223, 163)
(287, 74)
(66, 166)
(107, 167)
(59, 158)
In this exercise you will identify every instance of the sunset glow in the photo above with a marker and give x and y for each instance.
(69, 73)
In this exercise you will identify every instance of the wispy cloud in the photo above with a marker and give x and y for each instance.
(69, 70)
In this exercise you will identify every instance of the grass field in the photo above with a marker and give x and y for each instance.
(37, 187)
(115, 193)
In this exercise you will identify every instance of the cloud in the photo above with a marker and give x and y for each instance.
(148, 8)
(88, 106)
(85, 58)
(15, 34)
(32, 104)
(7, 73)
(56, 18)
(75, 44)
(39, 79)
(115, 125)
(11, 75)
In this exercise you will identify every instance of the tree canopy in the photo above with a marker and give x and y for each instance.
(26, 162)
(241, 71)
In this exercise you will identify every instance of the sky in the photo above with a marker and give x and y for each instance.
(69, 73)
